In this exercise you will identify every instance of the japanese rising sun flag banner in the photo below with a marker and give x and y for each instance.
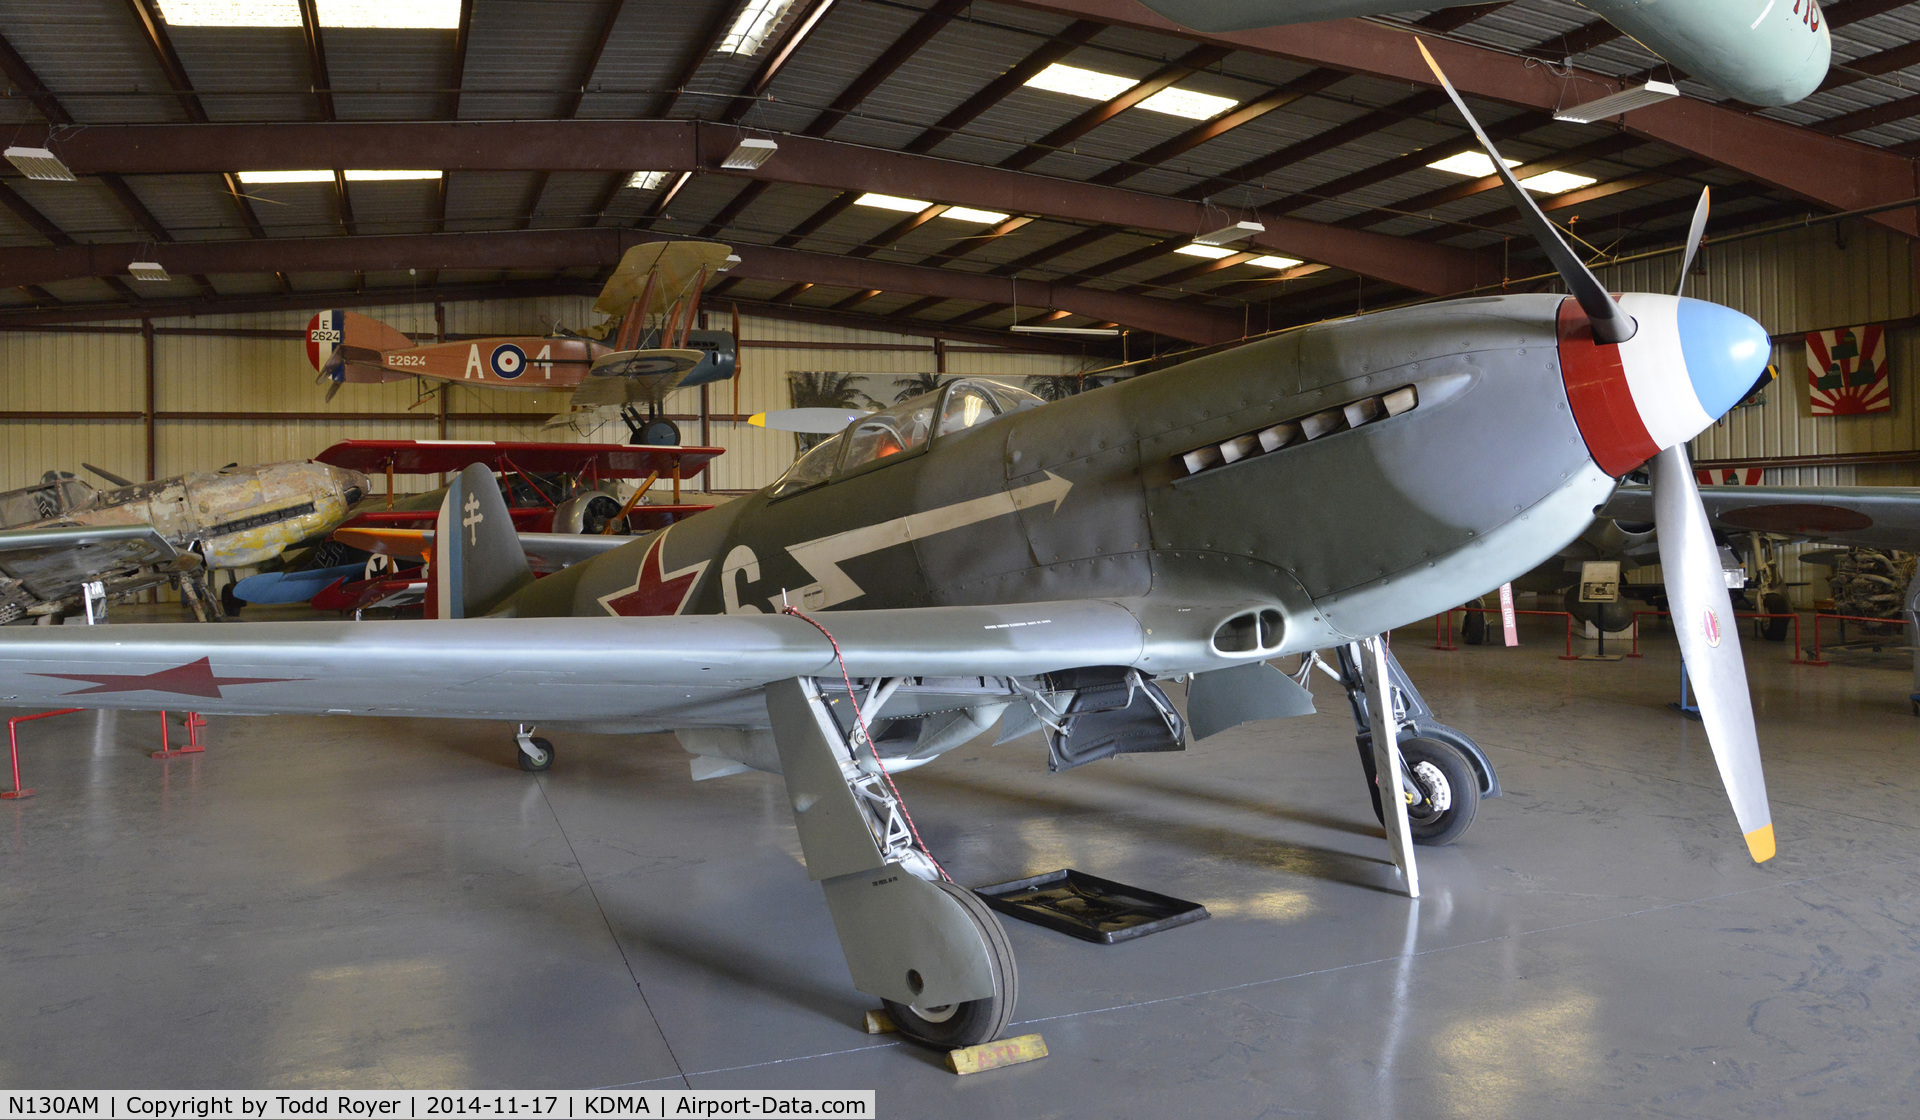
(1729, 476)
(1847, 372)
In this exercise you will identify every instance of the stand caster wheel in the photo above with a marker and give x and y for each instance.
(956, 1025)
(527, 760)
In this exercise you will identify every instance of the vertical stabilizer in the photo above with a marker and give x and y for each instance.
(477, 557)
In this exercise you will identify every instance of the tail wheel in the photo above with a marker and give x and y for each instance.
(955, 1025)
(1450, 791)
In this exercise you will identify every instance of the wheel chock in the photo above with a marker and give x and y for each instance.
(994, 1055)
(879, 1022)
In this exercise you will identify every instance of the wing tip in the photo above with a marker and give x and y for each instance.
(1760, 843)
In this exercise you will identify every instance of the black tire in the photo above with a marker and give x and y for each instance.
(658, 433)
(1432, 828)
(953, 1026)
(1473, 628)
(229, 602)
(527, 763)
(1774, 629)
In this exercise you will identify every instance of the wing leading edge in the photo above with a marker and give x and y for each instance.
(539, 669)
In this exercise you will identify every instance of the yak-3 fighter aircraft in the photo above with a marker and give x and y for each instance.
(1763, 52)
(973, 559)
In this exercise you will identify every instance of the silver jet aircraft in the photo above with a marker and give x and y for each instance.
(973, 560)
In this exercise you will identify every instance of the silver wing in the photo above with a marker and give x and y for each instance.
(643, 673)
(53, 561)
(1873, 516)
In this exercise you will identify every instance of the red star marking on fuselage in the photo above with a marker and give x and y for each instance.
(195, 678)
(654, 590)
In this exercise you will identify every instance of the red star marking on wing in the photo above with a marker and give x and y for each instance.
(195, 678)
(654, 590)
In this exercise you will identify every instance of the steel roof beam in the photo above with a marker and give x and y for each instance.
(597, 248)
(1453, 19)
(154, 30)
(1188, 64)
(1833, 173)
(1311, 82)
(697, 146)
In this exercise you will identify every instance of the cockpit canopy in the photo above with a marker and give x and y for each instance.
(905, 428)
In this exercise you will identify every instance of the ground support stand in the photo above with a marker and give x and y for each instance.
(13, 749)
(195, 721)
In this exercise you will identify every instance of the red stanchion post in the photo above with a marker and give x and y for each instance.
(1445, 645)
(1569, 655)
(13, 749)
(1816, 659)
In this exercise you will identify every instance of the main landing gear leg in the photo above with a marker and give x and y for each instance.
(1443, 773)
(931, 950)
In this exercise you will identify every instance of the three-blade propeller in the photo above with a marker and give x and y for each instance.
(1689, 556)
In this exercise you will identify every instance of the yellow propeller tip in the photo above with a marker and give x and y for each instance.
(1760, 843)
(758, 419)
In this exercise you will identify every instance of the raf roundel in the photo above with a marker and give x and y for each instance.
(508, 361)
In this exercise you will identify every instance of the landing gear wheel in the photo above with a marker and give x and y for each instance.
(544, 747)
(230, 602)
(659, 433)
(1451, 787)
(955, 1025)
(1473, 627)
(1774, 629)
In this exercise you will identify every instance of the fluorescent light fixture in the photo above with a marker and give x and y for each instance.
(727, 265)
(147, 270)
(1614, 104)
(978, 217)
(1557, 182)
(1101, 332)
(255, 178)
(1238, 231)
(646, 180)
(1077, 82)
(1211, 252)
(892, 202)
(1474, 165)
(1278, 263)
(39, 163)
(749, 154)
(443, 14)
(1177, 102)
(752, 26)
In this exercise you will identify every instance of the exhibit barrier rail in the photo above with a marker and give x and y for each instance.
(1445, 619)
(1843, 619)
(1795, 649)
(13, 748)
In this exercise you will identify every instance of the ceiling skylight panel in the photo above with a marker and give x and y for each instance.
(1474, 165)
(892, 202)
(1557, 182)
(1078, 82)
(231, 13)
(752, 26)
(332, 13)
(1177, 102)
(1211, 252)
(969, 214)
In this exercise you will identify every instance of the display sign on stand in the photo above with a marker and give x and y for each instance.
(1600, 583)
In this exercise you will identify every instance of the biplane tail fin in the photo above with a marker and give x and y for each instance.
(477, 558)
(344, 347)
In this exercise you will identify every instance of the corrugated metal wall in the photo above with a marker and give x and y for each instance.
(1843, 274)
(201, 379)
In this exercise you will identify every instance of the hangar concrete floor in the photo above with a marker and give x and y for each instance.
(335, 903)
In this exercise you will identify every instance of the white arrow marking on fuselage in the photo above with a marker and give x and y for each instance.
(822, 557)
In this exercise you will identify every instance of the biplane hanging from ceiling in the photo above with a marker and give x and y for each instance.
(646, 347)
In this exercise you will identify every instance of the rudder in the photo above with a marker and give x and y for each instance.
(477, 558)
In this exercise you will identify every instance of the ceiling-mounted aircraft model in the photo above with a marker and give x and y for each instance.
(1763, 52)
(973, 559)
(647, 348)
(63, 536)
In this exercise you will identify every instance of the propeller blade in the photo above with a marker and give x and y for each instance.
(1611, 323)
(108, 475)
(1695, 233)
(333, 390)
(1710, 643)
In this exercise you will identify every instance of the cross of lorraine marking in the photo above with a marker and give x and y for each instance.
(473, 519)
